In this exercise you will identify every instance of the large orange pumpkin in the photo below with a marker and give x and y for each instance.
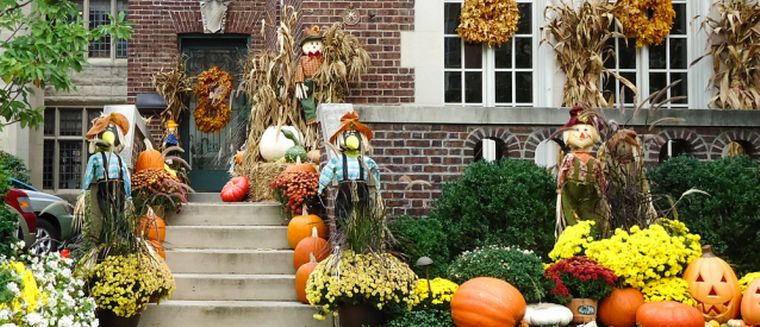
(487, 302)
(713, 284)
(149, 159)
(302, 276)
(619, 308)
(311, 245)
(153, 227)
(159, 247)
(668, 314)
(299, 228)
(307, 167)
(751, 303)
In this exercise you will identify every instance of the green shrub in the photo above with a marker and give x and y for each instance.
(14, 166)
(523, 269)
(8, 227)
(728, 219)
(509, 202)
(423, 318)
(418, 237)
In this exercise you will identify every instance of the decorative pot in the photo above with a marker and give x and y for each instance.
(109, 319)
(584, 310)
(362, 315)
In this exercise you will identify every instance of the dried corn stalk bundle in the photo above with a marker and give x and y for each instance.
(174, 86)
(734, 44)
(579, 39)
(345, 60)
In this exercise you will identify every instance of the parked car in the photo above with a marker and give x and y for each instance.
(20, 204)
(54, 217)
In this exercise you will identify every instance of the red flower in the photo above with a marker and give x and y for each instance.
(65, 253)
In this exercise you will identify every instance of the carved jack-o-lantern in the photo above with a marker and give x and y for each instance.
(713, 284)
(751, 303)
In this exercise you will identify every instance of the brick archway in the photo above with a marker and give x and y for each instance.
(699, 148)
(512, 147)
(534, 139)
(724, 139)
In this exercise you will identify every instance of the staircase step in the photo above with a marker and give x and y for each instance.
(227, 237)
(264, 287)
(205, 197)
(228, 214)
(231, 314)
(230, 261)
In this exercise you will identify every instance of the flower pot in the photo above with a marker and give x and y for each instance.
(360, 316)
(109, 319)
(584, 310)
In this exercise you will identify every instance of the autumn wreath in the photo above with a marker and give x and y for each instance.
(488, 21)
(213, 90)
(649, 21)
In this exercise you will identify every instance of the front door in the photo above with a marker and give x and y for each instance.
(209, 153)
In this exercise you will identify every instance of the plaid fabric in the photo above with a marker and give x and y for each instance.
(307, 68)
(334, 169)
(95, 171)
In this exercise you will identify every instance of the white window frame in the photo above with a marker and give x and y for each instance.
(86, 17)
(57, 137)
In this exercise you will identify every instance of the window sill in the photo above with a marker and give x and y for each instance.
(100, 62)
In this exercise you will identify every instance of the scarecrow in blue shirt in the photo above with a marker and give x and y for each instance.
(357, 175)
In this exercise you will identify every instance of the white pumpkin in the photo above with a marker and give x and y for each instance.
(547, 314)
(274, 144)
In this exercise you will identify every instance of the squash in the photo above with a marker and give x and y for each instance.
(487, 302)
(305, 167)
(153, 227)
(311, 245)
(714, 286)
(150, 158)
(736, 323)
(239, 157)
(314, 156)
(296, 153)
(547, 314)
(235, 190)
(273, 144)
(668, 314)
(619, 308)
(302, 276)
(751, 303)
(299, 228)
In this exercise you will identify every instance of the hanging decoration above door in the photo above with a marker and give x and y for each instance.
(213, 90)
(214, 15)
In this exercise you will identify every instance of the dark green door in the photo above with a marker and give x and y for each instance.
(209, 153)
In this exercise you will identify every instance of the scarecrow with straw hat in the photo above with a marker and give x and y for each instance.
(354, 172)
(171, 134)
(309, 65)
(581, 182)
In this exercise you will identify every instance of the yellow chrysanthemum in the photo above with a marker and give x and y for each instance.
(442, 292)
(668, 289)
(748, 279)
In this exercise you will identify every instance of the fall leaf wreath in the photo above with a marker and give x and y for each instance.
(488, 21)
(213, 90)
(649, 21)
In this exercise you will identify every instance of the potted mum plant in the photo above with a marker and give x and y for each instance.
(580, 283)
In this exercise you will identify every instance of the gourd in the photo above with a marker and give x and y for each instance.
(300, 227)
(150, 158)
(314, 156)
(668, 314)
(487, 302)
(296, 153)
(547, 314)
(619, 308)
(235, 190)
(273, 144)
(713, 283)
(302, 276)
(751, 303)
(297, 167)
(311, 245)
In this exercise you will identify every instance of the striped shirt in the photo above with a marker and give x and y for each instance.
(94, 172)
(334, 169)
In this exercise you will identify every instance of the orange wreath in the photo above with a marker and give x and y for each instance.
(213, 90)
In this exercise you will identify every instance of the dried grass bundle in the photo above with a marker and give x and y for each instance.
(260, 175)
(579, 39)
(734, 44)
(174, 86)
(345, 60)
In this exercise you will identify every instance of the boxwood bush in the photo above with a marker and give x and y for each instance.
(418, 237)
(728, 219)
(423, 318)
(508, 202)
(14, 166)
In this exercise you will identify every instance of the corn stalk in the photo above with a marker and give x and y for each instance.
(345, 60)
(174, 86)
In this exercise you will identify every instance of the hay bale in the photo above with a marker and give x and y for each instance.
(260, 176)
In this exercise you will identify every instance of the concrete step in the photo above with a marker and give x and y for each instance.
(227, 237)
(205, 197)
(228, 214)
(230, 261)
(231, 314)
(264, 287)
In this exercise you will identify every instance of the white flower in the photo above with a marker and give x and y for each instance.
(13, 287)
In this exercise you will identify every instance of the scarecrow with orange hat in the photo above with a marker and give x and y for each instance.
(354, 172)
(309, 65)
(581, 182)
(171, 134)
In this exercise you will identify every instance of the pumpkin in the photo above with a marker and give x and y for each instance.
(239, 157)
(314, 156)
(547, 314)
(302, 275)
(714, 286)
(150, 158)
(306, 167)
(311, 245)
(668, 314)
(299, 228)
(153, 227)
(751, 303)
(158, 246)
(619, 308)
(273, 144)
(235, 190)
(487, 302)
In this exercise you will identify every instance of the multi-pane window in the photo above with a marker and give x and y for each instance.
(654, 67)
(98, 13)
(64, 149)
(491, 76)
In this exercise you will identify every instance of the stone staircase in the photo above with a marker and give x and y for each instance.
(233, 268)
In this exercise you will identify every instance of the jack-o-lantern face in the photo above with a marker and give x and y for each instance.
(751, 303)
(713, 284)
(581, 137)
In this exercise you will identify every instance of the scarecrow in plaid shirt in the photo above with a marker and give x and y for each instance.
(309, 65)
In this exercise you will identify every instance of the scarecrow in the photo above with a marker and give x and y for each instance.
(107, 175)
(171, 134)
(354, 172)
(581, 182)
(309, 65)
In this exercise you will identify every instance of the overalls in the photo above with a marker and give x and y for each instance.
(582, 197)
(352, 194)
(109, 197)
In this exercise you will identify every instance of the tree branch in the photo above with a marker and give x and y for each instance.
(16, 7)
